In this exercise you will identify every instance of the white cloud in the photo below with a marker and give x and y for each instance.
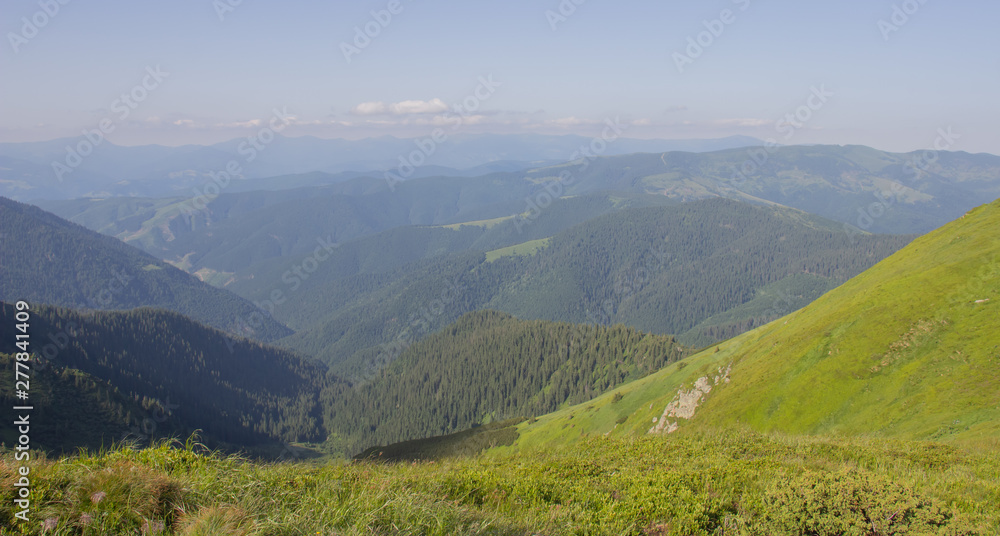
(369, 108)
(407, 107)
(571, 121)
(742, 122)
(244, 124)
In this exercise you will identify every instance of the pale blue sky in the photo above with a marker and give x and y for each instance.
(607, 59)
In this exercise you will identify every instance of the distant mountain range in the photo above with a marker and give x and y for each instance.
(56, 169)
(867, 189)
(873, 190)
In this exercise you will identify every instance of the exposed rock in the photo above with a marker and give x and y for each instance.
(684, 405)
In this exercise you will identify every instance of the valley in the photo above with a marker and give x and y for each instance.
(616, 322)
(452, 268)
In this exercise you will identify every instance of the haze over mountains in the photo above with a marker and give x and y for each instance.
(867, 189)
(47, 170)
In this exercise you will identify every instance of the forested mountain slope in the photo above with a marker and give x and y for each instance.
(232, 232)
(148, 373)
(234, 389)
(668, 270)
(45, 259)
(490, 366)
(73, 409)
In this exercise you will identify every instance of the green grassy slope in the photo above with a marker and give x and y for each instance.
(907, 349)
(738, 484)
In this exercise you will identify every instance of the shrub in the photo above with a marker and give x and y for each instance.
(849, 502)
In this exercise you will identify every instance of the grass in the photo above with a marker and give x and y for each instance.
(907, 350)
(771, 301)
(736, 482)
(465, 443)
(486, 224)
(523, 249)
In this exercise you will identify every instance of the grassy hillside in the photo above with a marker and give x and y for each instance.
(908, 349)
(45, 259)
(736, 483)
(523, 249)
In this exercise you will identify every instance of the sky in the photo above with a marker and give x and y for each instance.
(890, 74)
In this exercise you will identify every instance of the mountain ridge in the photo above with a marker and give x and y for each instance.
(904, 350)
(45, 259)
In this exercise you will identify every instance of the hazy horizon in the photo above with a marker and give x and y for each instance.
(885, 74)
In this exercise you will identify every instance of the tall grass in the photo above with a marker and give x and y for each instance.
(707, 483)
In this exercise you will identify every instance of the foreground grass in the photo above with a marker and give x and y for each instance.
(725, 483)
